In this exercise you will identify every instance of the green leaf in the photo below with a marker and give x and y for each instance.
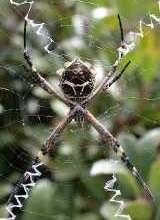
(4, 189)
(154, 179)
(128, 185)
(150, 141)
(39, 206)
(2, 211)
(108, 210)
(128, 143)
(139, 210)
(147, 150)
(136, 210)
(88, 216)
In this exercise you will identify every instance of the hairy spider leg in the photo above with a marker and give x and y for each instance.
(111, 141)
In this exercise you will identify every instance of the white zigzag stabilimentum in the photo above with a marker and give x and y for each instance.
(128, 47)
(109, 186)
(40, 30)
(26, 187)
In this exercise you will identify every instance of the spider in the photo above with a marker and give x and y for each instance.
(77, 85)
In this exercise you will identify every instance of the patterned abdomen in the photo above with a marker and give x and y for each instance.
(77, 81)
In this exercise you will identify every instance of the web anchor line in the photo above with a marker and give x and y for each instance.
(23, 189)
(109, 186)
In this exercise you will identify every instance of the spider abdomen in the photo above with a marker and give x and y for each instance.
(77, 81)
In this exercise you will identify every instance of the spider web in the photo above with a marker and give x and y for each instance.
(28, 114)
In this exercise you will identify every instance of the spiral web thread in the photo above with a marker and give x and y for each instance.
(26, 184)
(109, 186)
(34, 172)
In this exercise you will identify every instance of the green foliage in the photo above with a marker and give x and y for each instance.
(130, 110)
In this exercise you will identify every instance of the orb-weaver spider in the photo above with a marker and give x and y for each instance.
(77, 84)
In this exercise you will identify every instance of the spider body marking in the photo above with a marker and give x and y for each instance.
(77, 83)
(77, 80)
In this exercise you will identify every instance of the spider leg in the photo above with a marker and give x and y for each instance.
(100, 88)
(113, 80)
(110, 140)
(40, 81)
(110, 73)
(105, 84)
(121, 29)
(35, 170)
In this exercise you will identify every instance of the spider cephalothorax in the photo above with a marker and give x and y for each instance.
(77, 80)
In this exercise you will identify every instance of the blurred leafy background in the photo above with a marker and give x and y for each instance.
(130, 109)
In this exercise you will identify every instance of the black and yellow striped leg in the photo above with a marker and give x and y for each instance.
(111, 141)
(133, 169)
